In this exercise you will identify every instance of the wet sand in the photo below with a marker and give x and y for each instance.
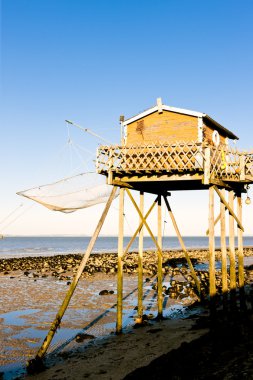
(32, 291)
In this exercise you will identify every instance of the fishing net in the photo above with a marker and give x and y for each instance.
(71, 194)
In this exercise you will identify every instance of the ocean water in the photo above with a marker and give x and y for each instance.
(47, 246)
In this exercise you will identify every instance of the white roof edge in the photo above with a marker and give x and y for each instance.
(165, 108)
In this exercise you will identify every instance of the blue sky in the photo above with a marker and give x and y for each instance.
(91, 61)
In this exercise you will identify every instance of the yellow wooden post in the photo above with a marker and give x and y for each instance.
(120, 262)
(232, 243)
(160, 259)
(212, 285)
(140, 260)
(224, 274)
(240, 243)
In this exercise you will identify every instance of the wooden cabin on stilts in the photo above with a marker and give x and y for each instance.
(166, 149)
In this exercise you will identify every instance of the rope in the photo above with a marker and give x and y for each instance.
(12, 212)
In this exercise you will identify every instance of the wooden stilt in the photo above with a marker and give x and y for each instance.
(231, 210)
(232, 243)
(223, 246)
(215, 222)
(240, 243)
(120, 263)
(59, 315)
(160, 259)
(197, 283)
(140, 261)
(212, 285)
(145, 222)
(139, 228)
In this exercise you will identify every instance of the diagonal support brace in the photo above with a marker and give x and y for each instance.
(145, 222)
(197, 283)
(228, 207)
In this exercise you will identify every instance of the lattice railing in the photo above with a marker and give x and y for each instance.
(225, 163)
(230, 164)
(178, 157)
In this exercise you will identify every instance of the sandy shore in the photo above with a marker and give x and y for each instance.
(33, 288)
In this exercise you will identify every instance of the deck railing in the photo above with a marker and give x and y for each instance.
(221, 162)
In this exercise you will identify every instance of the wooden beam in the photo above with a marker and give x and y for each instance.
(140, 260)
(232, 243)
(219, 182)
(121, 184)
(197, 283)
(212, 284)
(120, 263)
(160, 259)
(159, 177)
(207, 157)
(145, 222)
(224, 274)
(215, 222)
(138, 229)
(240, 243)
(56, 323)
(231, 211)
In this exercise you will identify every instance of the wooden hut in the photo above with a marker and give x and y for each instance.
(165, 124)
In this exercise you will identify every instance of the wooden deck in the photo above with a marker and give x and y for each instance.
(181, 165)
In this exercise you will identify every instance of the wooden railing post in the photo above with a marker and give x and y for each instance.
(242, 168)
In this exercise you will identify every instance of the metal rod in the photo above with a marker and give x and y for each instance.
(88, 131)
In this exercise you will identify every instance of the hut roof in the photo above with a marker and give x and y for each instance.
(163, 107)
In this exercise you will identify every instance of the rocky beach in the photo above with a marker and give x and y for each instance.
(33, 288)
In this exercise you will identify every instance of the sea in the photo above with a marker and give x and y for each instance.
(24, 246)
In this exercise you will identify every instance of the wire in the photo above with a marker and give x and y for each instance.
(11, 213)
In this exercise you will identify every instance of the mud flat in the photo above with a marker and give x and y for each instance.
(32, 290)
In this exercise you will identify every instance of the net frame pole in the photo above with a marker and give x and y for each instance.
(55, 324)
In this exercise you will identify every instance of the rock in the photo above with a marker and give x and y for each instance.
(81, 337)
(104, 292)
